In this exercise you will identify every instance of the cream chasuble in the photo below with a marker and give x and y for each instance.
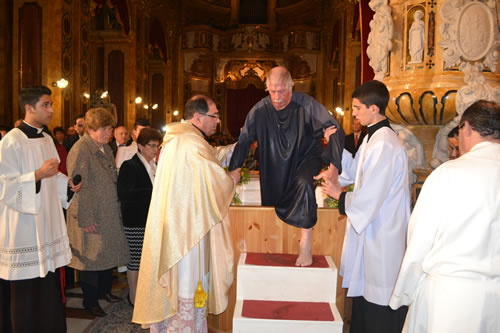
(191, 196)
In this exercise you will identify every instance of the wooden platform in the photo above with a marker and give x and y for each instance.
(258, 229)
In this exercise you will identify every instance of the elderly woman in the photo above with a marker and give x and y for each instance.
(135, 185)
(95, 229)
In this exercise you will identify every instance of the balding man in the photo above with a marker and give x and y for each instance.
(288, 127)
(121, 138)
(450, 275)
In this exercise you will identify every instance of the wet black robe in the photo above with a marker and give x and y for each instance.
(290, 154)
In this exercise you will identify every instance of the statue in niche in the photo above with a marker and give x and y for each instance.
(236, 40)
(284, 39)
(215, 42)
(379, 38)
(416, 38)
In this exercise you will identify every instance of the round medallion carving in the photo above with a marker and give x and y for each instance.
(475, 35)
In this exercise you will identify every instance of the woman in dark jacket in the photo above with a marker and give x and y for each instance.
(135, 185)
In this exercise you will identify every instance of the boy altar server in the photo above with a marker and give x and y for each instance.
(377, 214)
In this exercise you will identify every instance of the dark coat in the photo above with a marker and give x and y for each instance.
(69, 141)
(349, 143)
(134, 192)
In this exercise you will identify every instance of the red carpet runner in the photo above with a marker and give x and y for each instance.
(280, 259)
(287, 310)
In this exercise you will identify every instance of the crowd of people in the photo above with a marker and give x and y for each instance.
(159, 205)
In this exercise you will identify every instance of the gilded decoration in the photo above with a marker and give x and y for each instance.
(423, 107)
(239, 74)
(431, 32)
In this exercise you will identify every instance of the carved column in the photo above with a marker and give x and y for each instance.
(424, 93)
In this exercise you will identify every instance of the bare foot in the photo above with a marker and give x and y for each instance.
(305, 255)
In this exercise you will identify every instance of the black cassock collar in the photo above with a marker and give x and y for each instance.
(30, 131)
(372, 129)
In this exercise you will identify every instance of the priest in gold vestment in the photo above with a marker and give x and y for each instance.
(187, 236)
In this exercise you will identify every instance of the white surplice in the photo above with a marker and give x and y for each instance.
(125, 153)
(33, 236)
(377, 211)
(450, 274)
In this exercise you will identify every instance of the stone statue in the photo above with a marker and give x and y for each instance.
(190, 39)
(416, 38)
(284, 39)
(236, 40)
(414, 148)
(379, 38)
(215, 42)
(476, 88)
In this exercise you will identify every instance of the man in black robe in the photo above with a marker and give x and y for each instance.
(288, 127)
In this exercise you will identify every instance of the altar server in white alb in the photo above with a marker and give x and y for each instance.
(377, 214)
(450, 275)
(33, 238)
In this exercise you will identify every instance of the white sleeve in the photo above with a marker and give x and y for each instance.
(349, 165)
(17, 191)
(422, 229)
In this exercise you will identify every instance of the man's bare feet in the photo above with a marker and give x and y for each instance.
(305, 255)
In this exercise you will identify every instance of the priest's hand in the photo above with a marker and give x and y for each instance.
(48, 169)
(329, 131)
(91, 228)
(235, 174)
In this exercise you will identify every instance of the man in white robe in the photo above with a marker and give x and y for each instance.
(33, 238)
(450, 276)
(377, 212)
(187, 238)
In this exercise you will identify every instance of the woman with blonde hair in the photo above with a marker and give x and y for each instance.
(95, 228)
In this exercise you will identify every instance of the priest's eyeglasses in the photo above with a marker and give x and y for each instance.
(215, 116)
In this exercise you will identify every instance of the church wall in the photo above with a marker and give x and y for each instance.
(50, 42)
(6, 104)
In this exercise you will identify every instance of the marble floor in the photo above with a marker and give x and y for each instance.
(80, 321)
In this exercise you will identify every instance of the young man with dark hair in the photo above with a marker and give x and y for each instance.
(450, 276)
(377, 214)
(33, 239)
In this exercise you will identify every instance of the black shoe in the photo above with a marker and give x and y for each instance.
(110, 298)
(129, 301)
(96, 311)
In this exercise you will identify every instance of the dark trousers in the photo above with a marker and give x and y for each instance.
(33, 305)
(373, 318)
(95, 284)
